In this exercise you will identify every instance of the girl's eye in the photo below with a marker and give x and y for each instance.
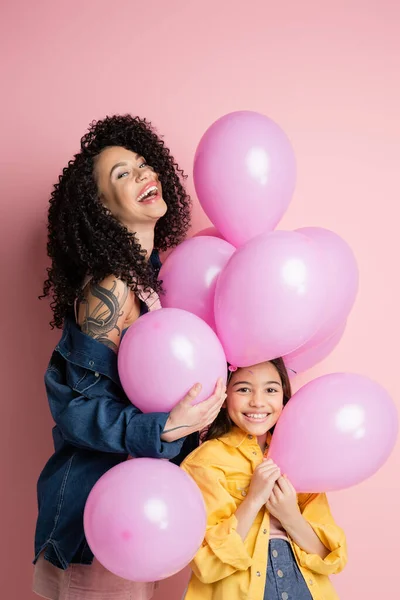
(123, 174)
(272, 391)
(243, 390)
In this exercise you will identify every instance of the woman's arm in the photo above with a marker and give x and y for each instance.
(105, 309)
(91, 411)
(97, 420)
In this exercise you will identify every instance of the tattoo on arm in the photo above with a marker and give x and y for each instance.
(103, 318)
(108, 343)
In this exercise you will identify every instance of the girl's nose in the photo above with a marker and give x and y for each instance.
(257, 400)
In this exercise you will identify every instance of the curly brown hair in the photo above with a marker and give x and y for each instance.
(82, 235)
(223, 424)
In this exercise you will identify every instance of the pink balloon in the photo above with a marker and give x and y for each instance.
(335, 432)
(190, 275)
(269, 300)
(163, 354)
(340, 280)
(210, 231)
(244, 174)
(145, 519)
(308, 356)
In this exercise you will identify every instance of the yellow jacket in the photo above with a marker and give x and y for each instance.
(225, 567)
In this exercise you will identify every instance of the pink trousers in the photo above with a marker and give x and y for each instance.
(86, 582)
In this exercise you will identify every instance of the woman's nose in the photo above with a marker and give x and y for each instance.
(144, 173)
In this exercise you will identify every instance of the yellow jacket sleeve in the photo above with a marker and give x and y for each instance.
(223, 551)
(315, 509)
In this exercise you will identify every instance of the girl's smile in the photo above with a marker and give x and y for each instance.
(255, 399)
(260, 417)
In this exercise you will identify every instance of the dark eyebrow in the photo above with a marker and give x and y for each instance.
(248, 383)
(124, 163)
(120, 164)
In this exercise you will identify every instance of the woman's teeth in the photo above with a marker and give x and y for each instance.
(151, 191)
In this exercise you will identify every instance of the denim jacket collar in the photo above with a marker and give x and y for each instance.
(80, 349)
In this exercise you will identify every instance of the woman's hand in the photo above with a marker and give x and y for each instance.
(282, 503)
(264, 477)
(185, 418)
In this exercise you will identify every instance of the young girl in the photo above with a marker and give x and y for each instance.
(263, 541)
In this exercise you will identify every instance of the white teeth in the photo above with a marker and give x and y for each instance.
(257, 415)
(153, 188)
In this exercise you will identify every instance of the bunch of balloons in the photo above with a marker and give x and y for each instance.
(266, 293)
(271, 293)
(245, 293)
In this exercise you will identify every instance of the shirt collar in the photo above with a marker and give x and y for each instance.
(236, 437)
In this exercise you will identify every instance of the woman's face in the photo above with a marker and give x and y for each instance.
(129, 188)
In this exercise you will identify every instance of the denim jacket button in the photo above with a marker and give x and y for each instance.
(97, 374)
(91, 363)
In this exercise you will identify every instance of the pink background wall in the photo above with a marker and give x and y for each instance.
(327, 72)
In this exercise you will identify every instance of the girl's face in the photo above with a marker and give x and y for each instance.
(129, 187)
(255, 398)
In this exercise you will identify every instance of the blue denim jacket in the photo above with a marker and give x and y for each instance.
(96, 428)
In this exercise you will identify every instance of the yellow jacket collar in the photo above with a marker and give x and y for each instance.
(237, 436)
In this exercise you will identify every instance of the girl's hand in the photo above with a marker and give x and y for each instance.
(282, 503)
(264, 477)
(185, 418)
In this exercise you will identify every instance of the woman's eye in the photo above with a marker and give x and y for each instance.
(143, 164)
(120, 175)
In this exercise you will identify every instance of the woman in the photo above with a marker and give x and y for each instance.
(118, 202)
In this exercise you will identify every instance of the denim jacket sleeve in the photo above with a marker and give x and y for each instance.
(89, 406)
